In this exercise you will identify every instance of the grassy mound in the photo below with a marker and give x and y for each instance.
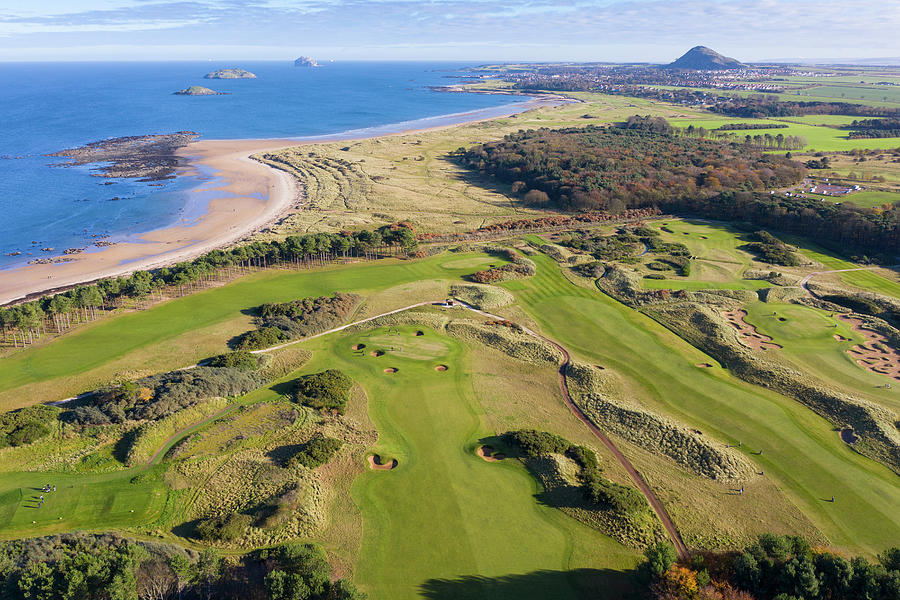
(509, 340)
(653, 432)
(149, 437)
(484, 297)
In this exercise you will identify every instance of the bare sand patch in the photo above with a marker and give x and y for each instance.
(841, 338)
(377, 353)
(391, 370)
(489, 454)
(748, 333)
(357, 346)
(704, 365)
(874, 354)
(441, 368)
(377, 464)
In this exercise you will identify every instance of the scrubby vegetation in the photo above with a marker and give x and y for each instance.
(316, 452)
(328, 390)
(239, 359)
(623, 246)
(279, 323)
(27, 425)
(506, 337)
(772, 250)
(109, 567)
(159, 396)
(602, 492)
(776, 567)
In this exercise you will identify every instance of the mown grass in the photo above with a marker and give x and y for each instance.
(98, 502)
(444, 513)
(803, 456)
(863, 199)
(807, 337)
(866, 279)
(160, 339)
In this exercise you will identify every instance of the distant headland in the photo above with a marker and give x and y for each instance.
(305, 61)
(198, 90)
(232, 73)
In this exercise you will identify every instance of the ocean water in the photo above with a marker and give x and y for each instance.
(45, 108)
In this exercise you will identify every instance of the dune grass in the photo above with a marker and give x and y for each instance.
(802, 454)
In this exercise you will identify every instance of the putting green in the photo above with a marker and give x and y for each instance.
(444, 514)
(802, 453)
(403, 342)
(102, 502)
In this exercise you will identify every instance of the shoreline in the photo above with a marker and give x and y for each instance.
(253, 197)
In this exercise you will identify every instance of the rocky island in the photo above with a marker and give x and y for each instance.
(305, 61)
(232, 73)
(198, 90)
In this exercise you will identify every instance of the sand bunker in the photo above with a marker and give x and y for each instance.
(357, 346)
(488, 454)
(420, 333)
(704, 365)
(376, 464)
(391, 370)
(849, 436)
(377, 353)
(841, 338)
(441, 368)
(748, 332)
(875, 354)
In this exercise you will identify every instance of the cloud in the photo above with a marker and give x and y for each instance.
(652, 29)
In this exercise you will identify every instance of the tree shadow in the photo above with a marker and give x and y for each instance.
(544, 584)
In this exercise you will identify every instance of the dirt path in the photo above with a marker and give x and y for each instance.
(183, 431)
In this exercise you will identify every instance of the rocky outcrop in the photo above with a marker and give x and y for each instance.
(232, 73)
(198, 90)
(305, 61)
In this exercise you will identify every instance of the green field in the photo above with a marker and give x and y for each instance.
(161, 339)
(863, 199)
(823, 139)
(100, 502)
(444, 513)
(803, 455)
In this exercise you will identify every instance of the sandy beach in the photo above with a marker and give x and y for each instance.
(254, 195)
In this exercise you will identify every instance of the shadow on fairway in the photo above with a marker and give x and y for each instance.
(586, 583)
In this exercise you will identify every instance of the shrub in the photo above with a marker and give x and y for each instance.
(239, 359)
(316, 452)
(222, 528)
(159, 396)
(770, 249)
(618, 497)
(27, 425)
(328, 390)
(299, 318)
(533, 443)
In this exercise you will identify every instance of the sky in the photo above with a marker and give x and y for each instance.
(457, 30)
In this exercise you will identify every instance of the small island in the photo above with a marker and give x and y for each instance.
(198, 90)
(232, 73)
(305, 61)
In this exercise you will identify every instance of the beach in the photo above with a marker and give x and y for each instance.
(246, 196)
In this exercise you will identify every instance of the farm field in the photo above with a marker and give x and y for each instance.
(803, 456)
(819, 138)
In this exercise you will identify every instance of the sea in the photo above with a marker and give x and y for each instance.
(46, 108)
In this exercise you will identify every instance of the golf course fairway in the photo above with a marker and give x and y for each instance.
(444, 519)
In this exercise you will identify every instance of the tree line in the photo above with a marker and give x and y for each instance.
(775, 567)
(109, 567)
(24, 323)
